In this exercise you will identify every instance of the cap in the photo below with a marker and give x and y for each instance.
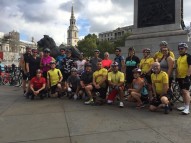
(137, 70)
(114, 64)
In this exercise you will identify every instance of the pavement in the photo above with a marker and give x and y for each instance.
(56, 120)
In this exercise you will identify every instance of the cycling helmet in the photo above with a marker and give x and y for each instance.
(34, 50)
(46, 50)
(114, 64)
(96, 50)
(38, 71)
(182, 45)
(147, 50)
(137, 70)
(163, 43)
(73, 70)
(53, 62)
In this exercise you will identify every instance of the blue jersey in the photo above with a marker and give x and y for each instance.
(59, 59)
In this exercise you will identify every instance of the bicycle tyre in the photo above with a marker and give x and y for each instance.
(177, 93)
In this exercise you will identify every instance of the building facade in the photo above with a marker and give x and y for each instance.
(72, 33)
(11, 47)
(114, 34)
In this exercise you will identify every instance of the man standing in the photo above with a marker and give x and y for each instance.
(33, 64)
(54, 78)
(26, 56)
(94, 60)
(120, 60)
(183, 76)
(60, 58)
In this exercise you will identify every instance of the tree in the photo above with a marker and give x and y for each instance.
(121, 41)
(88, 44)
(105, 46)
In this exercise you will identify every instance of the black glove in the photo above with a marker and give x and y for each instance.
(187, 79)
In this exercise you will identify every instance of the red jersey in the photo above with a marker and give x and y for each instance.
(38, 82)
(106, 63)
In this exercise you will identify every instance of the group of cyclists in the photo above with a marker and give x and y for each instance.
(146, 81)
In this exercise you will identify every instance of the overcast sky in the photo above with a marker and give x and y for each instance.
(51, 17)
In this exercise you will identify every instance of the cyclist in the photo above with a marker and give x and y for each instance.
(131, 62)
(80, 64)
(106, 62)
(138, 92)
(54, 78)
(60, 58)
(99, 84)
(120, 60)
(183, 76)
(116, 83)
(160, 86)
(146, 68)
(158, 55)
(73, 84)
(94, 60)
(45, 61)
(37, 85)
(23, 62)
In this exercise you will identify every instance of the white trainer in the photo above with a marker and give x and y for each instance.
(186, 112)
(109, 101)
(181, 108)
(121, 104)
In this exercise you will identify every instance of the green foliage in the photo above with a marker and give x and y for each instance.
(91, 42)
(121, 41)
(105, 46)
(88, 45)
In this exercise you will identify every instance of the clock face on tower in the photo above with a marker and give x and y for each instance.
(155, 12)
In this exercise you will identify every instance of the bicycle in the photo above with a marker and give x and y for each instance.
(12, 78)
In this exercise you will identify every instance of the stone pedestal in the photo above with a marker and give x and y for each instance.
(150, 36)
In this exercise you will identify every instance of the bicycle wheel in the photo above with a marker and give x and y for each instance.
(6, 79)
(18, 82)
(177, 93)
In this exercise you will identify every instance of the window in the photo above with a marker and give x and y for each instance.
(75, 35)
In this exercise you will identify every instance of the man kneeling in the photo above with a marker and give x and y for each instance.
(37, 85)
(160, 85)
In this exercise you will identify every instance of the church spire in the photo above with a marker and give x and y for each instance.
(72, 13)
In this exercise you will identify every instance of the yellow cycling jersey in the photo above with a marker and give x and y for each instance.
(183, 63)
(158, 55)
(158, 80)
(116, 77)
(54, 76)
(99, 74)
(146, 64)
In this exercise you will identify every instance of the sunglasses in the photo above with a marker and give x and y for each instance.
(62, 51)
(181, 48)
(164, 50)
(116, 51)
(34, 52)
